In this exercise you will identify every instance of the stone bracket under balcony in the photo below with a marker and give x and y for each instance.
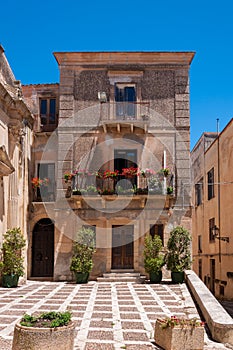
(119, 125)
(117, 202)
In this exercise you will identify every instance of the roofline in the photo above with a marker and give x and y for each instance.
(211, 133)
(221, 133)
(124, 57)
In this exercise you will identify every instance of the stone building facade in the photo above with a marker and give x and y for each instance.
(110, 111)
(211, 163)
(16, 138)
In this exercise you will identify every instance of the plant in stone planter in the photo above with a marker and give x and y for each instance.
(172, 333)
(178, 256)
(49, 330)
(153, 259)
(83, 250)
(11, 265)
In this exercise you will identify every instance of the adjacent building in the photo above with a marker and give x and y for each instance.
(211, 164)
(16, 138)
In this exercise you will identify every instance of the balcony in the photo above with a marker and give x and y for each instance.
(112, 190)
(125, 114)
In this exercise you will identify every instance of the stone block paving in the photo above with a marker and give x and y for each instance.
(108, 316)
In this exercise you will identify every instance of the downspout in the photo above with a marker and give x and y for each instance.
(219, 197)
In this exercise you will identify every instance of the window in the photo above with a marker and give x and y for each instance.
(200, 268)
(125, 98)
(47, 191)
(211, 226)
(48, 115)
(221, 290)
(157, 230)
(199, 192)
(210, 179)
(199, 244)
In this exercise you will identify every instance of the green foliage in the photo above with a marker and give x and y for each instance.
(153, 260)
(169, 190)
(50, 319)
(83, 250)
(178, 257)
(174, 321)
(12, 261)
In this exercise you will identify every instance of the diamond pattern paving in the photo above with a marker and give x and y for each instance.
(107, 315)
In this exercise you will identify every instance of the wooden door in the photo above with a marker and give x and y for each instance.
(43, 249)
(122, 247)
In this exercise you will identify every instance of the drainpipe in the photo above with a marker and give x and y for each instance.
(219, 201)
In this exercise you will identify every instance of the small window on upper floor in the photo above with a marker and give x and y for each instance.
(199, 192)
(199, 237)
(210, 180)
(125, 99)
(211, 229)
(48, 115)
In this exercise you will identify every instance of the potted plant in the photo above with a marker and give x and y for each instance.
(11, 265)
(40, 187)
(178, 256)
(49, 330)
(83, 250)
(153, 259)
(172, 333)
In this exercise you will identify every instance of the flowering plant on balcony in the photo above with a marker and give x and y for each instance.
(82, 172)
(174, 321)
(98, 174)
(68, 176)
(130, 172)
(165, 172)
(37, 182)
(147, 172)
(110, 174)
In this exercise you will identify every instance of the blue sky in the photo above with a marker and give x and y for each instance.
(30, 31)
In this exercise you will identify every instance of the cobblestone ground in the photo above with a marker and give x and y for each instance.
(108, 316)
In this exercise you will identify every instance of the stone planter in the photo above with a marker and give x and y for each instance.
(43, 338)
(179, 337)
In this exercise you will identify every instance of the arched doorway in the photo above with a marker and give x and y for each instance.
(43, 249)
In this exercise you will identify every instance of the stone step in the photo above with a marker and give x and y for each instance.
(133, 277)
(123, 274)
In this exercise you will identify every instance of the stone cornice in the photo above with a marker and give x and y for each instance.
(124, 58)
(16, 106)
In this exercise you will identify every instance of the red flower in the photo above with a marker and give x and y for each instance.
(108, 174)
(130, 172)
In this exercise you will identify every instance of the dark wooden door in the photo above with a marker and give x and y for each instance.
(122, 247)
(43, 249)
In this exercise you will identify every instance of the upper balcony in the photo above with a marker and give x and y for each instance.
(125, 114)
